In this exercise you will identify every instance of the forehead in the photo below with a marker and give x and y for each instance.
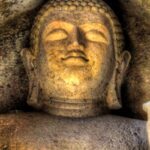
(76, 18)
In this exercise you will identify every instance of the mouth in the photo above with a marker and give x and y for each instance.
(75, 55)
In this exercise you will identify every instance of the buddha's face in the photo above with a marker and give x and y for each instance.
(75, 68)
(76, 57)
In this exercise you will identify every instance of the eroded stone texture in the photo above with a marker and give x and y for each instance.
(76, 67)
(11, 8)
(148, 128)
(34, 131)
(146, 107)
(136, 23)
(16, 18)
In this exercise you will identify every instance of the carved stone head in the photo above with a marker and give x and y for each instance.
(76, 61)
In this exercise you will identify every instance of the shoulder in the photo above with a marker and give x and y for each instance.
(36, 130)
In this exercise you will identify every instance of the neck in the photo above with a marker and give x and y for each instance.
(75, 108)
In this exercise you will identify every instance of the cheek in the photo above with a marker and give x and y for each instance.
(97, 53)
(55, 45)
(54, 50)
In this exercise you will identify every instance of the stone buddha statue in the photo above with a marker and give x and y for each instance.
(76, 62)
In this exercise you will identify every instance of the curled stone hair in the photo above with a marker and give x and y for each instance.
(91, 5)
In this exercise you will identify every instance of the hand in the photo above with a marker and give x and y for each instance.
(146, 107)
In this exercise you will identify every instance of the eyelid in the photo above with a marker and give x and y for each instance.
(96, 36)
(56, 35)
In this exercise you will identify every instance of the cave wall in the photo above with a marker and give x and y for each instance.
(135, 18)
(16, 19)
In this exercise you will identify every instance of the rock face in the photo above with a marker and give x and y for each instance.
(146, 107)
(136, 16)
(34, 131)
(16, 19)
(148, 128)
(12, 8)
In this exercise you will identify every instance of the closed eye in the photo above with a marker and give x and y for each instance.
(56, 35)
(96, 36)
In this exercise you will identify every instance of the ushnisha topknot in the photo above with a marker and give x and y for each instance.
(68, 5)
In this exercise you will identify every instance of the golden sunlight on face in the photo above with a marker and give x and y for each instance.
(75, 56)
(76, 48)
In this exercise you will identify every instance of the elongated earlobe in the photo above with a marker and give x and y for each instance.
(28, 61)
(114, 88)
(33, 96)
(113, 97)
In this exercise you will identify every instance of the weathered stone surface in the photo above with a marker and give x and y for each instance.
(16, 19)
(136, 24)
(9, 9)
(148, 129)
(34, 131)
(146, 107)
(134, 16)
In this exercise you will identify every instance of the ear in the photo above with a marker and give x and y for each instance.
(123, 65)
(29, 63)
(114, 88)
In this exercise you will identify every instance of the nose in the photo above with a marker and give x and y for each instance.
(76, 40)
